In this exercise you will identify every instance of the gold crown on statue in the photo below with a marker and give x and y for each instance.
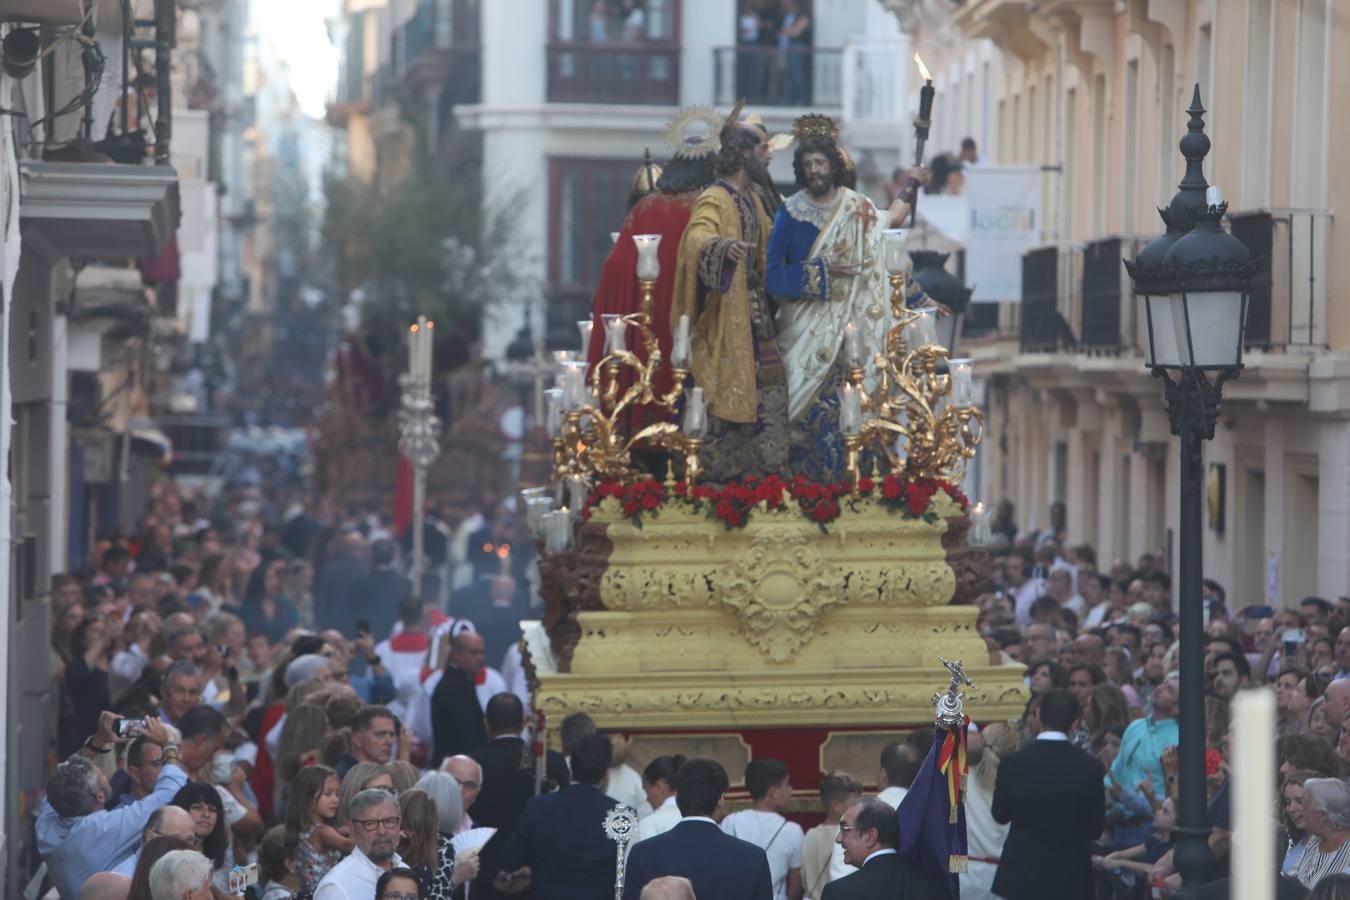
(644, 180)
(695, 132)
(815, 125)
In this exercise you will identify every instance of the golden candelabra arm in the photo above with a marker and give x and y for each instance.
(595, 430)
(908, 401)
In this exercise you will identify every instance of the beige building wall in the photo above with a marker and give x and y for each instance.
(1097, 90)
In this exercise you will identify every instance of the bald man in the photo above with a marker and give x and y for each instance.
(106, 886)
(172, 821)
(668, 888)
(456, 717)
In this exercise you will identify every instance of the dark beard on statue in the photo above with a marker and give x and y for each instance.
(818, 187)
(768, 191)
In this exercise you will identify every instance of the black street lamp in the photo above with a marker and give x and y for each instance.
(1195, 281)
(930, 273)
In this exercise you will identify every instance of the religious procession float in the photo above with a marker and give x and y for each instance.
(754, 542)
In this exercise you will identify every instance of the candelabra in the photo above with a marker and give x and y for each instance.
(913, 401)
(418, 436)
(587, 415)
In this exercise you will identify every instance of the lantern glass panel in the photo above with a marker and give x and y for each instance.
(1160, 335)
(1214, 322)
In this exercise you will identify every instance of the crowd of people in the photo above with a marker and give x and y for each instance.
(1106, 634)
(220, 705)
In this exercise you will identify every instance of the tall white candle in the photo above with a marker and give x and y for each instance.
(695, 414)
(615, 330)
(679, 351)
(585, 327)
(853, 344)
(1253, 789)
(962, 370)
(850, 410)
(553, 402)
(897, 260)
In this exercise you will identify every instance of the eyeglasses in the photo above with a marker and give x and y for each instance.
(151, 763)
(395, 895)
(846, 828)
(372, 824)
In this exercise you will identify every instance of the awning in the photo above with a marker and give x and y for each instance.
(98, 210)
(147, 439)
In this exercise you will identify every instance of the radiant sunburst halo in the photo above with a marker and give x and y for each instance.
(695, 132)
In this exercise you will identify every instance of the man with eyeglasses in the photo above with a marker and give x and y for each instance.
(869, 834)
(144, 759)
(375, 821)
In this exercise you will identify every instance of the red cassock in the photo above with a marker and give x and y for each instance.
(618, 292)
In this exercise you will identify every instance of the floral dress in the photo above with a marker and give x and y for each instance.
(312, 863)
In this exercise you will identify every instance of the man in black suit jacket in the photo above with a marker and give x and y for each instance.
(718, 865)
(558, 850)
(869, 832)
(507, 783)
(456, 718)
(1052, 794)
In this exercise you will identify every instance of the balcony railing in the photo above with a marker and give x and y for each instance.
(647, 73)
(1288, 302)
(768, 76)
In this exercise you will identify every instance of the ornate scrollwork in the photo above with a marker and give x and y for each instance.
(778, 587)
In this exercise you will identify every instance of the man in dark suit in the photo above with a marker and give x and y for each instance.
(558, 850)
(507, 782)
(456, 718)
(1052, 794)
(869, 832)
(717, 864)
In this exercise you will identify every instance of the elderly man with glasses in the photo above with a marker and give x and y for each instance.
(375, 821)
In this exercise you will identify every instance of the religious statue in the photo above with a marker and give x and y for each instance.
(719, 284)
(826, 268)
(665, 212)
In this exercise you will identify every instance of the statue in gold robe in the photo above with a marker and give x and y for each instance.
(719, 284)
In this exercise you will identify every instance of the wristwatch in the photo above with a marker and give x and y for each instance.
(373, 660)
(89, 744)
(170, 752)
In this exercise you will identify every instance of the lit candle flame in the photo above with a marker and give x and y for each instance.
(413, 328)
(923, 70)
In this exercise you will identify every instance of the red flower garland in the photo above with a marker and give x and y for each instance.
(733, 503)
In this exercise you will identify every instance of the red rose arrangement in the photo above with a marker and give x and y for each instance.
(733, 503)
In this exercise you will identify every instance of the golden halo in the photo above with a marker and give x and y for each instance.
(695, 132)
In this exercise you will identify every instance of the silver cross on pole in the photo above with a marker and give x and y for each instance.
(620, 826)
(950, 711)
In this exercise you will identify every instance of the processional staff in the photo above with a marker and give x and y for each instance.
(620, 826)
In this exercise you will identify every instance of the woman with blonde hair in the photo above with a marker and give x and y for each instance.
(301, 736)
(984, 835)
(359, 777)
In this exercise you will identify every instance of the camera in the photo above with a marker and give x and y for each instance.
(243, 877)
(128, 727)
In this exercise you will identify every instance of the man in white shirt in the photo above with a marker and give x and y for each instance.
(763, 825)
(899, 764)
(375, 825)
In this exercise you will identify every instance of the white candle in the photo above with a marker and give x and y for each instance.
(585, 327)
(695, 414)
(1213, 196)
(577, 492)
(615, 329)
(962, 370)
(850, 410)
(613, 237)
(553, 414)
(648, 266)
(921, 332)
(679, 353)
(853, 344)
(574, 390)
(1253, 747)
(979, 519)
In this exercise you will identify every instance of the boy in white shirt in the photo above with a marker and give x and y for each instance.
(763, 825)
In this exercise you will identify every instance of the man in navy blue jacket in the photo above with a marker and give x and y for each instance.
(558, 850)
(717, 864)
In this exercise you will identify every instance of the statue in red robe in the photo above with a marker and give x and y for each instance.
(664, 212)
